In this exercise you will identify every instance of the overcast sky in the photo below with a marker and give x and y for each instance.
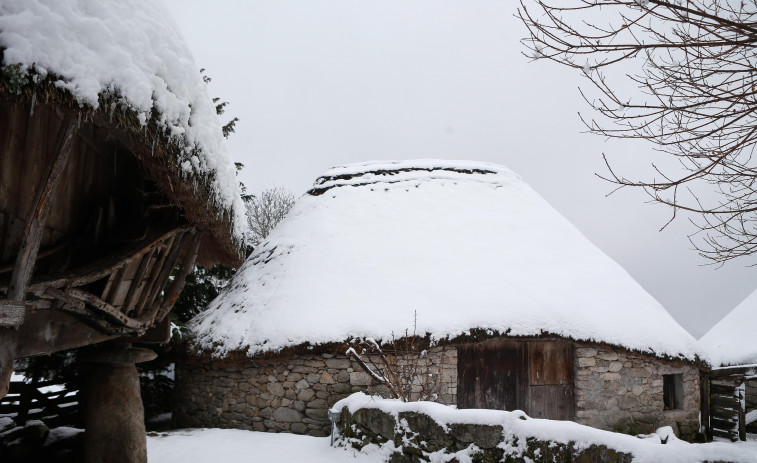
(318, 83)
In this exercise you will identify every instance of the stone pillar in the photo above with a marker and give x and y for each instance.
(113, 413)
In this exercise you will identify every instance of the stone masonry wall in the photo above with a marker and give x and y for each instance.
(622, 391)
(291, 394)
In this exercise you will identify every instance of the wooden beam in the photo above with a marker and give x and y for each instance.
(150, 309)
(35, 223)
(187, 264)
(107, 265)
(138, 282)
(27, 253)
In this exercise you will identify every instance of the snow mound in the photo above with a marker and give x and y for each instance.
(465, 245)
(131, 49)
(731, 340)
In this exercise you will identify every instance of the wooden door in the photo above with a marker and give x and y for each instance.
(492, 375)
(550, 366)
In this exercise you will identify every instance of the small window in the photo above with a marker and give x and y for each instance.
(672, 391)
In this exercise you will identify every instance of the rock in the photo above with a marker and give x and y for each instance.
(615, 367)
(306, 395)
(6, 424)
(338, 363)
(359, 378)
(276, 389)
(286, 415)
(375, 421)
(302, 384)
(484, 436)
(431, 436)
(298, 428)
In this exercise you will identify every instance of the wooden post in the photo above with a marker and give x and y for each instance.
(13, 309)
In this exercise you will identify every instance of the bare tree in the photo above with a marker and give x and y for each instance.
(266, 210)
(695, 98)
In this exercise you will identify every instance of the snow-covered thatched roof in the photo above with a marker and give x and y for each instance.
(464, 244)
(127, 58)
(733, 340)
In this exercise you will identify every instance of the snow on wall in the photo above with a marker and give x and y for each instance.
(732, 340)
(465, 245)
(132, 48)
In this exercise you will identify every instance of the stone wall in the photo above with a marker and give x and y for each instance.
(286, 394)
(621, 391)
(614, 390)
(411, 436)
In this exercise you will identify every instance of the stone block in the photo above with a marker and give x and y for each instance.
(484, 436)
(587, 361)
(277, 389)
(326, 378)
(359, 378)
(286, 415)
(338, 363)
(615, 367)
(306, 394)
(302, 384)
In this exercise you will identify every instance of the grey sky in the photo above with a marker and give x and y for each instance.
(318, 83)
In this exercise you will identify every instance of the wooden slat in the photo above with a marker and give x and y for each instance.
(164, 249)
(550, 362)
(151, 307)
(722, 390)
(138, 283)
(717, 401)
(180, 279)
(725, 434)
(552, 401)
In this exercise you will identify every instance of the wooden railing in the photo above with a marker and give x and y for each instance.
(26, 401)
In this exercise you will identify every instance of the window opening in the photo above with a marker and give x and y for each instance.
(672, 391)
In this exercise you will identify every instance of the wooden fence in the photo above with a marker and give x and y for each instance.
(27, 401)
(728, 414)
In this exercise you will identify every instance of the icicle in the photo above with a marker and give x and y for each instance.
(34, 100)
(112, 110)
(152, 153)
(79, 123)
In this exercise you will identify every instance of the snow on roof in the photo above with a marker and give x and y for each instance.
(131, 49)
(464, 244)
(732, 340)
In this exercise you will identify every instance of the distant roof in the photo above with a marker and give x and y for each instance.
(464, 244)
(733, 340)
(130, 55)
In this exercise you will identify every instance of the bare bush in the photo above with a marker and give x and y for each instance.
(403, 366)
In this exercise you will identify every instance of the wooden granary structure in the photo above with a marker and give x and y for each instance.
(107, 200)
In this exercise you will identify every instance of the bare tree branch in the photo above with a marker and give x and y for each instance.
(696, 67)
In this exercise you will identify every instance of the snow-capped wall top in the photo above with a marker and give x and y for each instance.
(732, 340)
(131, 49)
(465, 245)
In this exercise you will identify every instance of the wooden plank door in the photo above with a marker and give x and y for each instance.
(550, 368)
(492, 375)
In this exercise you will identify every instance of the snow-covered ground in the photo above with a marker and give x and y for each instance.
(233, 445)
